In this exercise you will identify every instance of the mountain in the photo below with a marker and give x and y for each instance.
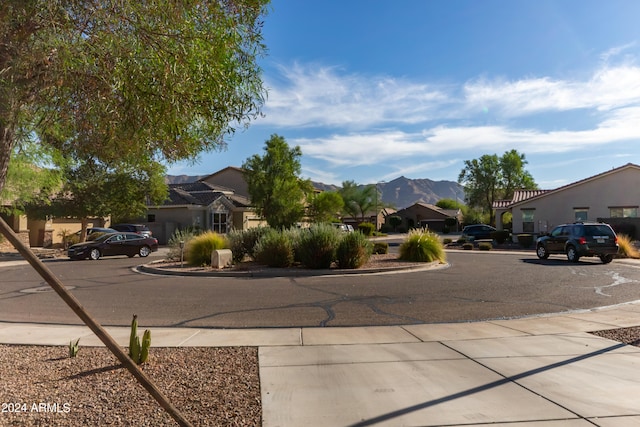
(401, 192)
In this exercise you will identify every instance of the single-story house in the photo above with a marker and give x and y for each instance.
(425, 215)
(201, 205)
(612, 196)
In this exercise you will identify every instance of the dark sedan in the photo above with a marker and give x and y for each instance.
(129, 244)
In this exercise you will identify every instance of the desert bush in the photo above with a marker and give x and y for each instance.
(422, 246)
(250, 238)
(294, 236)
(447, 240)
(626, 247)
(238, 252)
(316, 247)
(274, 249)
(467, 246)
(485, 246)
(353, 251)
(380, 248)
(198, 250)
(366, 228)
(525, 240)
(174, 242)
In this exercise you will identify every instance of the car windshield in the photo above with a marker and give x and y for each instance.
(103, 237)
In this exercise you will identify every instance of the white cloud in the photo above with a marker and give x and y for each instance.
(318, 96)
(409, 126)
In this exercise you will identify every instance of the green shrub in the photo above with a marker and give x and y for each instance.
(366, 228)
(316, 247)
(485, 246)
(174, 242)
(525, 240)
(422, 246)
(467, 246)
(500, 236)
(380, 248)
(294, 236)
(353, 251)
(234, 237)
(250, 238)
(198, 250)
(447, 240)
(274, 249)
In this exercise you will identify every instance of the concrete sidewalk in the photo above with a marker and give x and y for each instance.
(541, 371)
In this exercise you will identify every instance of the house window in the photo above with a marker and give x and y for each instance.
(623, 212)
(581, 214)
(219, 223)
(527, 220)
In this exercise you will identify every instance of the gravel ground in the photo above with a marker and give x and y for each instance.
(42, 386)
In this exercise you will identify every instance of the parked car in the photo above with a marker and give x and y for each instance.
(579, 239)
(133, 228)
(340, 226)
(477, 232)
(92, 230)
(129, 244)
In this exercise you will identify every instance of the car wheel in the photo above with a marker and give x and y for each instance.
(144, 251)
(542, 253)
(572, 254)
(606, 259)
(94, 254)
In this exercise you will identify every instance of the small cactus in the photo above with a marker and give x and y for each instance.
(146, 343)
(139, 353)
(73, 348)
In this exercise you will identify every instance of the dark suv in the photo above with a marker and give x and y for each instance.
(133, 228)
(477, 232)
(579, 239)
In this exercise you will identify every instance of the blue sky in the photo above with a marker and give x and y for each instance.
(375, 89)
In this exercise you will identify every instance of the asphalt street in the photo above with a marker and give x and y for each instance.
(472, 286)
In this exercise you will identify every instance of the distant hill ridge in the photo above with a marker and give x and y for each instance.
(401, 192)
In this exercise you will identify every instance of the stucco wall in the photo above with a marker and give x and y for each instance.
(231, 178)
(618, 189)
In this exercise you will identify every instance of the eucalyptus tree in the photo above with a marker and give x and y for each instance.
(128, 80)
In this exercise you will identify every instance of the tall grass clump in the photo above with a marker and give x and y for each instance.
(317, 245)
(199, 249)
(626, 247)
(174, 242)
(274, 249)
(353, 251)
(422, 246)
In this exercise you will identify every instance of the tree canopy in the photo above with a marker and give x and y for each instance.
(128, 81)
(492, 178)
(325, 206)
(358, 200)
(91, 189)
(277, 192)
